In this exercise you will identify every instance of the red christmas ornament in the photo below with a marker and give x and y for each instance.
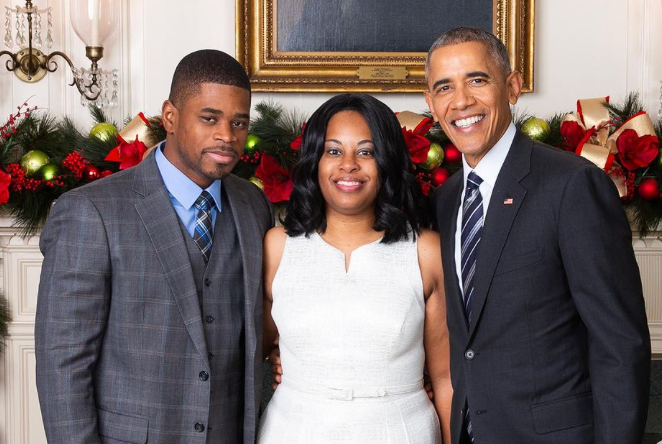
(105, 173)
(91, 173)
(452, 154)
(439, 176)
(648, 189)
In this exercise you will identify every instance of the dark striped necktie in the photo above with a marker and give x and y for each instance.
(472, 227)
(203, 229)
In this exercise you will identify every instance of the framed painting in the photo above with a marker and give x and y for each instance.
(366, 45)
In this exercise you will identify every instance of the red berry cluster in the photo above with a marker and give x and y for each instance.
(17, 177)
(9, 129)
(628, 178)
(251, 158)
(75, 163)
(19, 181)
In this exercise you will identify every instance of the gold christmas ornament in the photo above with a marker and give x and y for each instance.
(103, 131)
(535, 128)
(251, 141)
(435, 157)
(33, 160)
(49, 171)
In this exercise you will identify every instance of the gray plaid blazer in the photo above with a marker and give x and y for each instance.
(116, 273)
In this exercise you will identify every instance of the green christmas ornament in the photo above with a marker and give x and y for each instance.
(33, 160)
(535, 128)
(435, 157)
(251, 141)
(104, 131)
(49, 171)
(257, 182)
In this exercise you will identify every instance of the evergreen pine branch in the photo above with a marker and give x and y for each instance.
(156, 128)
(5, 319)
(99, 115)
(646, 215)
(553, 137)
(276, 131)
(519, 118)
(30, 209)
(631, 106)
(5, 150)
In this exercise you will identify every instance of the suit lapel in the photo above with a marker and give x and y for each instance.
(162, 225)
(499, 220)
(447, 226)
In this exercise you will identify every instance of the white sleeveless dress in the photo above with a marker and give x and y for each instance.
(351, 346)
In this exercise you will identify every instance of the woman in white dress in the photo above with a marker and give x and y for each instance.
(354, 290)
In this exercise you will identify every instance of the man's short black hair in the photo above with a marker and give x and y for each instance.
(205, 66)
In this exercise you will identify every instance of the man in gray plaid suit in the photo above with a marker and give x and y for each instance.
(149, 317)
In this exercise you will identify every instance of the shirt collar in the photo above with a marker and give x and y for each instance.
(180, 186)
(489, 166)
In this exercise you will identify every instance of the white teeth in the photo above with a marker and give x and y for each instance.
(348, 183)
(463, 123)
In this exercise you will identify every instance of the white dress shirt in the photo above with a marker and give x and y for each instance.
(488, 169)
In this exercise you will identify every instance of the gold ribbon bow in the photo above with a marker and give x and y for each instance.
(593, 116)
(139, 127)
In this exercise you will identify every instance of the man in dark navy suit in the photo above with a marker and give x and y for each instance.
(549, 338)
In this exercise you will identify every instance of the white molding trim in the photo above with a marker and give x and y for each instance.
(134, 37)
(656, 337)
(644, 60)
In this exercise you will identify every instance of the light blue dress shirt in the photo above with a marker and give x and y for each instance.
(184, 192)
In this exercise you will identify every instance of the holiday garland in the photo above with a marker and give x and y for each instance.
(42, 157)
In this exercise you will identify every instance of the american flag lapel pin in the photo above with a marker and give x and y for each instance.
(508, 201)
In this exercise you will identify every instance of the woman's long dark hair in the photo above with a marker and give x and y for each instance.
(400, 207)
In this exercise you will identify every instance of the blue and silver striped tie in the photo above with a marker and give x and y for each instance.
(472, 227)
(203, 230)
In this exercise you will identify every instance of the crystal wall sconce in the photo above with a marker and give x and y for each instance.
(92, 20)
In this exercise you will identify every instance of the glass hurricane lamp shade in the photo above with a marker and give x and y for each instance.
(94, 20)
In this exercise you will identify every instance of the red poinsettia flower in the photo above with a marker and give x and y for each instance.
(417, 145)
(275, 179)
(636, 152)
(5, 180)
(296, 143)
(128, 154)
(573, 133)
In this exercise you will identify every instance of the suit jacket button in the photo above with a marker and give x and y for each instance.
(207, 282)
(203, 375)
(209, 319)
(199, 427)
(469, 354)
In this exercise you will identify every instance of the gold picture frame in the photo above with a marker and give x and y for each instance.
(271, 69)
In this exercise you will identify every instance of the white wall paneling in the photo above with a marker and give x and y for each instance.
(20, 262)
(648, 252)
(644, 63)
